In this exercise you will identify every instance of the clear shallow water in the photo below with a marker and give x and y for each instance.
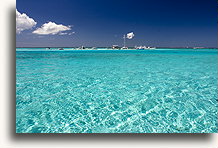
(156, 91)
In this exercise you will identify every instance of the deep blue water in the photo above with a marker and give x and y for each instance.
(99, 91)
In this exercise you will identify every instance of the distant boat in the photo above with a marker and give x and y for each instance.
(144, 48)
(61, 49)
(82, 47)
(124, 48)
(115, 47)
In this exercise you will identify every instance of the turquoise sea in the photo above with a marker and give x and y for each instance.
(116, 91)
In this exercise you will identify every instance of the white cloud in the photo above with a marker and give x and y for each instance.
(130, 35)
(63, 33)
(52, 28)
(71, 33)
(23, 22)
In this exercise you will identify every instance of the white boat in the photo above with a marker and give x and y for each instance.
(144, 48)
(82, 47)
(124, 48)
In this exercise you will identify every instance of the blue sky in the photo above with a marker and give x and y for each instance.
(160, 23)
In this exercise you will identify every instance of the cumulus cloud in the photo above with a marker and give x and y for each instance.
(52, 28)
(23, 22)
(130, 35)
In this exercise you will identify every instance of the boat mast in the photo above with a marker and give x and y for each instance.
(124, 40)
